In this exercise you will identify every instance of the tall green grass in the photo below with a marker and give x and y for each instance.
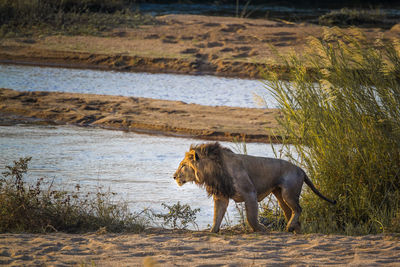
(39, 207)
(341, 113)
(90, 17)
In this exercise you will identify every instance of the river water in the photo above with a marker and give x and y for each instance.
(204, 90)
(137, 167)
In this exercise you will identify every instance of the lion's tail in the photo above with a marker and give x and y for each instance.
(315, 190)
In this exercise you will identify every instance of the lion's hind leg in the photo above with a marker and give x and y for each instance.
(286, 210)
(292, 201)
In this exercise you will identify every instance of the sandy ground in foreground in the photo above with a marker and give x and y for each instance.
(141, 115)
(169, 248)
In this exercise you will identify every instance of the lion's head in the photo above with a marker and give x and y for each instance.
(185, 172)
(203, 164)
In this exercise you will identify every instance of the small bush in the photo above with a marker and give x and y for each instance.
(343, 121)
(27, 208)
(353, 17)
(178, 216)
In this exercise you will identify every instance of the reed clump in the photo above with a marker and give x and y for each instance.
(26, 207)
(341, 123)
(71, 17)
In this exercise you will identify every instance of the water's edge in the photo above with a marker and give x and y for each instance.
(138, 167)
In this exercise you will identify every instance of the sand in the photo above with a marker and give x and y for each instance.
(137, 114)
(189, 44)
(173, 248)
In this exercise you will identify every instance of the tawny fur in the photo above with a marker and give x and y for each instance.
(226, 175)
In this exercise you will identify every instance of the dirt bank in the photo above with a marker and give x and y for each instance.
(169, 248)
(141, 114)
(186, 44)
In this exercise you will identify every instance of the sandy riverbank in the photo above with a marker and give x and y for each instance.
(140, 114)
(169, 248)
(188, 44)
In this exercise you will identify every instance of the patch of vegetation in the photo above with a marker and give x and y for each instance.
(342, 125)
(71, 17)
(179, 216)
(33, 208)
(353, 17)
(271, 215)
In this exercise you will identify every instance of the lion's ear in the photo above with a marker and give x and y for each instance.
(194, 155)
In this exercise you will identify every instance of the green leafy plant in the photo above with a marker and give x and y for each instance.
(341, 122)
(179, 216)
(41, 208)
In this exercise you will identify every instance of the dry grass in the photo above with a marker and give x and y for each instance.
(42, 208)
(89, 17)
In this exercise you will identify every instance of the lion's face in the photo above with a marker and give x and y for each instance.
(185, 172)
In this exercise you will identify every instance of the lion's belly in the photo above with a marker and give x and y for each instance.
(260, 196)
(237, 198)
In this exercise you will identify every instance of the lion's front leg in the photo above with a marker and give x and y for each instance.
(220, 205)
(252, 212)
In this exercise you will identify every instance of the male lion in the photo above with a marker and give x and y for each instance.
(226, 175)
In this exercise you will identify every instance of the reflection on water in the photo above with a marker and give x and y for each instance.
(205, 90)
(138, 167)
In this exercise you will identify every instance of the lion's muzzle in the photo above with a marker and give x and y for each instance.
(179, 181)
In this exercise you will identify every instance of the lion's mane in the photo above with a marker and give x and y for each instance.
(211, 171)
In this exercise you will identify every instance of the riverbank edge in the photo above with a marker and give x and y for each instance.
(141, 115)
(124, 63)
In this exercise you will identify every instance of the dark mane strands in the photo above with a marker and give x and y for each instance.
(212, 171)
